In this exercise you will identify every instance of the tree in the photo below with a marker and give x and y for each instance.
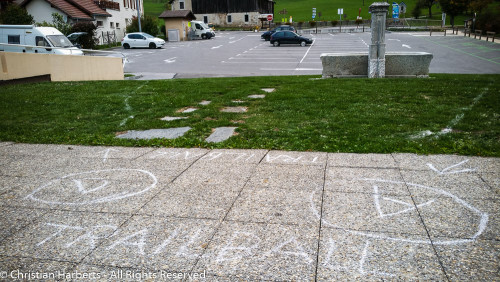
(168, 5)
(58, 23)
(479, 5)
(453, 8)
(426, 4)
(148, 25)
(14, 14)
(416, 12)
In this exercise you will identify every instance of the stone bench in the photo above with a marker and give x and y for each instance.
(492, 34)
(478, 32)
(397, 64)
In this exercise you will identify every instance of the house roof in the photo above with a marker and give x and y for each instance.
(178, 14)
(76, 9)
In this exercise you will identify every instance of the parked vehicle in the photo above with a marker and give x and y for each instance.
(267, 35)
(289, 37)
(141, 40)
(201, 30)
(74, 38)
(33, 39)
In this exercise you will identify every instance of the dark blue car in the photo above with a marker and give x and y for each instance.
(289, 37)
(267, 35)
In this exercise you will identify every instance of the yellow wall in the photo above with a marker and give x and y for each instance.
(60, 67)
(180, 24)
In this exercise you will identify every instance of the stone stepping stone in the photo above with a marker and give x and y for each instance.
(187, 110)
(234, 109)
(169, 133)
(221, 134)
(238, 101)
(256, 96)
(268, 90)
(172, 118)
(204, 102)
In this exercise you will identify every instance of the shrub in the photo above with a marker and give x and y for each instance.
(58, 23)
(89, 40)
(335, 23)
(14, 14)
(312, 23)
(148, 25)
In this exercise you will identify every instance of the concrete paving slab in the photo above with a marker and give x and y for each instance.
(286, 177)
(6, 143)
(175, 155)
(233, 156)
(149, 243)
(14, 219)
(29, 269)
(172, 118)
(169, 133)
(459, 219)
(345, 256)
(23, 149)
(256, 96)
(228, 175)
(476, 260)
(62, 235)
(193, 201)
(221, 134)
(268, 90)
(446, 164)
(238, 101)
(462, 185)
(296, 158)
(395, 216)
(187, 110)
(283, 206)
(361, 160)
(234, 110)
(493, 181)
(261, 252)
(205, 103)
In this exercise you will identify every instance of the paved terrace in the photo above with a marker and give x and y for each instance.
(112, 213)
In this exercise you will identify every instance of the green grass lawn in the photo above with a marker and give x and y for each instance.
(305, 114)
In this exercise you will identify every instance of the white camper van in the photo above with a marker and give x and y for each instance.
(201, 30)
(28, 36)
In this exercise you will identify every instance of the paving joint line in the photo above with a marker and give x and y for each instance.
(321, 219)
(425, 227)
(219, 224)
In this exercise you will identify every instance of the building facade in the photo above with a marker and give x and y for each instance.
(238, 13)
(110, 17)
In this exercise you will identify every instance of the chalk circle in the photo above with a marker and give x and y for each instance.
(93, 187)
(481, 223)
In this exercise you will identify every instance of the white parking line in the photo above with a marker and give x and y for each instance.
(407, 46)
(307, 51)
(216, 47)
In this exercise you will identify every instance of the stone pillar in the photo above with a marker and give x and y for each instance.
(376, 53)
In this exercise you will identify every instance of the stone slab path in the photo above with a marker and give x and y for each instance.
(129, 214)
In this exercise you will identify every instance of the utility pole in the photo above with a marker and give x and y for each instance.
(138, 14)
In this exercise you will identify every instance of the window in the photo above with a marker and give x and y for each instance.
(40, 41)
(181, 5)
(111, 25)
(99, 23)
(229, 19)
(118, 25)
(246, 18)
(14, 39)
(205, 19)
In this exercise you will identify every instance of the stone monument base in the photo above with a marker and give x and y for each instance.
(397, 64)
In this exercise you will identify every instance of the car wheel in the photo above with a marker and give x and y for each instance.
(126, 46)
(203, 36)
(303, 43)
(276, 43)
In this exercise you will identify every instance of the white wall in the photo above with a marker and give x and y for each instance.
(122, 17)
(42, 11)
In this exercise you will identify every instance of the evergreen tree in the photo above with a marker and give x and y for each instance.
(14, 14)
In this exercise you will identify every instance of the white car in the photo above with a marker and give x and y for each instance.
(141, 40)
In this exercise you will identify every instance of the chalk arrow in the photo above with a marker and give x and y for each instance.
(81, 188)
(448, 169)
(216, 47)
(106, 154)
(171, 60)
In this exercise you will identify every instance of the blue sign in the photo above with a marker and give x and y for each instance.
(395, 10)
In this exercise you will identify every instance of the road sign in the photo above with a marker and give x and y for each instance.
(269, 18)
(340, 11)
(395, 10)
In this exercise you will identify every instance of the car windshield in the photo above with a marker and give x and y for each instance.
(204, 26)
(59, 41)
(147, 35)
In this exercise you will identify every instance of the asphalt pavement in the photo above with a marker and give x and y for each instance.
(245, 54)
(137, 214)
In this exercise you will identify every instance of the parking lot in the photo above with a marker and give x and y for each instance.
(246, 54)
